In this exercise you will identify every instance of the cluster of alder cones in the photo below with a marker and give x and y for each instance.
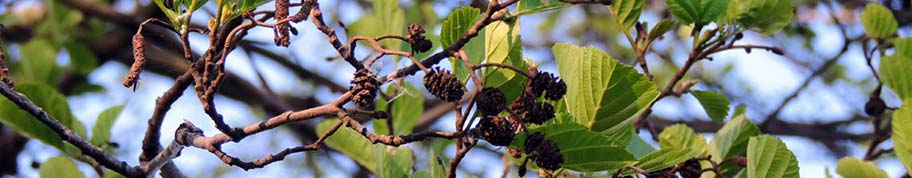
(497, 130)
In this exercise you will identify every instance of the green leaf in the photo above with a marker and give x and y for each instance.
(700, 12)
(902, 47)
(662, 159)
(602, 93)
(894, 73)
(638, 147)
(82, 60)
(536, 6)
(627, 12)
(504, 46)
(112, 174)
(661, 28)
(386, 18)
(101, 132)
(405, 109)
(379, 159)
(902, 133)
(59, 167)
(577, 143)
(395, 162)
(679, 136)
(51, 101)
(732, 138)
(769, 158)
(715, 104)
(38, 62)
(764, 16)
(849, 167)
(878, 21)
(455, 25)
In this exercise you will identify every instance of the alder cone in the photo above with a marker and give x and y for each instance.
(547, 155)
(497, 130)
(443, 85)
(532, 141)
(548, 82)
(364, 88)
(524, 107)
(664, 173)
(490, 101)
(556, 90)
(875, 106)
(542, 112)
(690, 169)
(416, 39)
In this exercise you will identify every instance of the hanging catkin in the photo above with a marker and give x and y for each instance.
(139, 58)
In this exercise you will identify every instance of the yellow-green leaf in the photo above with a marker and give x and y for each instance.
(764, 16)
(902, 133)
(715, 104)
(767, 157)
(602, 93)
(59, 167)
(732, 138)
(878, 21)
(894, 73)
(679, 136)
(850, 167)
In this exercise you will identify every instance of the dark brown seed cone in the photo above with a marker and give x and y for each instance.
(739, 160)
(416, 38)
(491, 101)
(539, 83)
(139, 59)
(875, 106)
(542, 113)
(556, 90)
(664, 173)
(532, 141)
(443, 85)
(364, 88)
(690, 169)
(547, 155)
(524, 107)
(548, 82)
(497, 130)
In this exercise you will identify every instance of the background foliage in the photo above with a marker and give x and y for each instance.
(791, 105)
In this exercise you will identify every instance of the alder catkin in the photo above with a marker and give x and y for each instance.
(281, 12)
(139, 59)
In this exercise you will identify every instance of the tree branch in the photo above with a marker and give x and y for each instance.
(68, 135)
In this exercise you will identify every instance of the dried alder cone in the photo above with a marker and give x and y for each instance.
(547, 82)
(531, 111)
(875, 106)
(690, 169)
(417, 40)
(491, 101)
(543, 152)
(364, 88)
(497, 130)
(443, 85)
